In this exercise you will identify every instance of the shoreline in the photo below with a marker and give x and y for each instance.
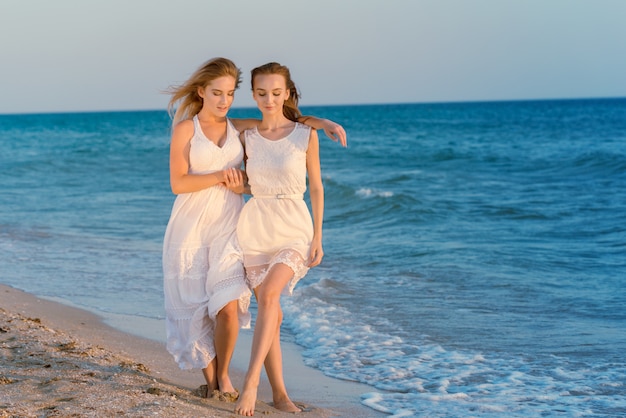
(138, 342)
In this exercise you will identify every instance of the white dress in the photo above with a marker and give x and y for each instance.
(275, 225)
(202, 262)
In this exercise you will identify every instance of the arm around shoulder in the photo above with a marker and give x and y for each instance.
(332, 129)
(243, 124)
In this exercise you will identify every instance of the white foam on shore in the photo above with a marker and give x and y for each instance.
(423, 378)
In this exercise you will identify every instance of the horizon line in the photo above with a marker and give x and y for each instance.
(443, 102)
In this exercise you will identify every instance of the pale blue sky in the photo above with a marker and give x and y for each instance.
(83, 55)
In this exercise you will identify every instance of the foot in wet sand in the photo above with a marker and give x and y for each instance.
(224, 396)
(286, 405)
(229, 396)
(245, 405)
(226, 386)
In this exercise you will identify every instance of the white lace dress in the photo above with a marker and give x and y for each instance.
(202, 262)
(275, 225)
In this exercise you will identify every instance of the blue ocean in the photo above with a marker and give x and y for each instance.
(475, 252)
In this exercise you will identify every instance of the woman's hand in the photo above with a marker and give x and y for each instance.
(234, 180)
(335, 132)
(317, 253)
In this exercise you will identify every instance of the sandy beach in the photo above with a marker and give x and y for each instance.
(57, 360)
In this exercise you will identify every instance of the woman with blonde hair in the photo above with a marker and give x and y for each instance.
(280, 241)
(206, 295)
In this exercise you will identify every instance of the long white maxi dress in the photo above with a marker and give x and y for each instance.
(202, 261)
(275, 225)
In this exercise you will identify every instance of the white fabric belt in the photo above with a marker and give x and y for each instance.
(279, 196)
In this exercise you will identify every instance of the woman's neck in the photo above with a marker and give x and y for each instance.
(274, 122)
(210, 118)
(275, 128)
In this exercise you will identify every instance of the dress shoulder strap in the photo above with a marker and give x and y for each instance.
(301, 135)
(231, 127)
(196, 125)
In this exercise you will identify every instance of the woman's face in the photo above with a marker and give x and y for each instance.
(270, 92)
(218, 95)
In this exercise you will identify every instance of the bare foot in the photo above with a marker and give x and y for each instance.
(286, 405)
(246, 403)
(227, 386)
(229, 396)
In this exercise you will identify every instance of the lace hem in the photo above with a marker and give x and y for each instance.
(291, 258)
(235, 289)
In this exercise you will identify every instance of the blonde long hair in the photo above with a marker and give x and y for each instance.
(186, 94)
(290, 107)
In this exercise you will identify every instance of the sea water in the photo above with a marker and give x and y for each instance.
(475, 252)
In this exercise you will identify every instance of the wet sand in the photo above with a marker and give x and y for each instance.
(57, 360)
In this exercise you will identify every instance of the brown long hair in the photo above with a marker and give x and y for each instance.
(290, 107)
(187, 93)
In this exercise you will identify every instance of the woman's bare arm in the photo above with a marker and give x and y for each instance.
(332, 129)
(180, 179)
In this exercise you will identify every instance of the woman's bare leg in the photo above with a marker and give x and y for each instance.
(226, 333)
(274, 370)
(210, 376)
(268, 308)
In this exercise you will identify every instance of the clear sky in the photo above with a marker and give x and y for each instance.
(83, 55)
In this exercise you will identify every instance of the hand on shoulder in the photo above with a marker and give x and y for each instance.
(244, 124)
